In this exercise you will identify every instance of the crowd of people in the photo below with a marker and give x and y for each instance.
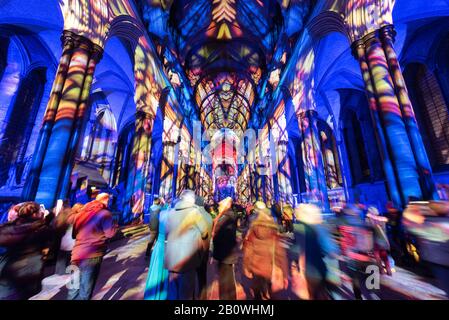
(285, 251)
(288, 252)
(69, 236)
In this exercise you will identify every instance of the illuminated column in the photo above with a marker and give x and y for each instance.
(167, 170)
(283, 172)
(390, 175)
(387, 35)
(68, 42)
(141, 154)
(313, 160)
(390, 115)
(66, 110)
(191, 174)
(81, 116)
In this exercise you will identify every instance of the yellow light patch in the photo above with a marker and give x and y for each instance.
(224, 32)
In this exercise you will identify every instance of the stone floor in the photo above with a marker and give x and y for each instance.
(124, 271)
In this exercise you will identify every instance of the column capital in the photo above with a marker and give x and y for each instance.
(71, 40)
(374, 36)
(355, 46)
(388, 33)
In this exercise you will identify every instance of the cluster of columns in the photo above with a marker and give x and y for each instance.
(407, 169)
(138, 182)
(64, 118)
(312, 158)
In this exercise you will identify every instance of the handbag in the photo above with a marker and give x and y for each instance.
(67, 241)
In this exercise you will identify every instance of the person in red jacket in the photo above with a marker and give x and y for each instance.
(264, 256)
(92, 228)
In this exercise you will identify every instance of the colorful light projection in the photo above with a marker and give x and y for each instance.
(225, 55)
(100, 137)
(224, 25)
(87, 18)
(263, 167)
(149, 83)
(394, 127)
(184, 159)
(332, 165)
(170, 149)
(424, 168)
(301, 85)
(366, 16)
(223, 147)
(279, 134)
(63, 120)
(94, 19)
(244, 186)
(225, 102)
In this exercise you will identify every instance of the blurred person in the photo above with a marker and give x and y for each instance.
(155, 210)
(239, 210)
(258, 205)
(14, 211)
(92, 228)
(287, 219)
(381, 243)
(394, 231)
(202, 269)
(185, 231)
(311, 244)
(225, 248)
(276, 211)
(64, 228)
(26, 237)
(211, 208)
(429, 222)
(357, 247)
(156, 287)
(264, 258)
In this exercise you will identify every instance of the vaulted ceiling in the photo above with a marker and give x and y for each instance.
(225, 48)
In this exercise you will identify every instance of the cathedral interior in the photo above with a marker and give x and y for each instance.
(291, 102)
(324, 101)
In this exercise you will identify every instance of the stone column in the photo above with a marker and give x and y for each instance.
(68, 43)
(141, 154)
(82, 116)
(67, 105)
(387, 35)
(396, 144)
(283, 172)
(165, 190)
(359, 52)
(315, 179)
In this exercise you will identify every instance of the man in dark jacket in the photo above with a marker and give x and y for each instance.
(93, 226)
(21, 268)
(155, 210)
(225, 244)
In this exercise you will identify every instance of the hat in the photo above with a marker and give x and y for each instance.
(102, 197)
(309, 213)
(188, 196)
(260, 205)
